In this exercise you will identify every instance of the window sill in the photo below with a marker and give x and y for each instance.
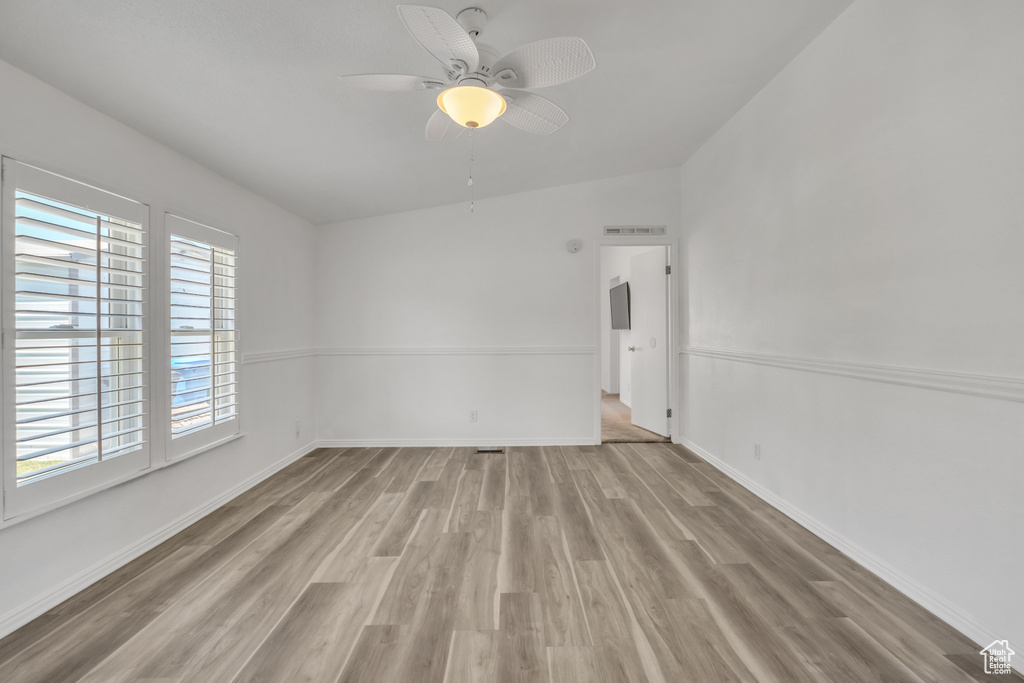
(115, 482)
(201, 449)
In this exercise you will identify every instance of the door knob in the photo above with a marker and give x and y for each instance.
(632, 348)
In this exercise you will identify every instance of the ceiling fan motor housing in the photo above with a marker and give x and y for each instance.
(473, 19)
(473, 79)
(488, 56)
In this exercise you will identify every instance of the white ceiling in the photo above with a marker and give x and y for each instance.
(248, 88)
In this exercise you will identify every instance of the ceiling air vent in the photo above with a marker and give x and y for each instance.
(634, 229)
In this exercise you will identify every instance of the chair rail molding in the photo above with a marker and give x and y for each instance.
(987, 386)
(459, 351)
(273, 356)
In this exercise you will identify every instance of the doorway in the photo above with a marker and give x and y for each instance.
(635, 343)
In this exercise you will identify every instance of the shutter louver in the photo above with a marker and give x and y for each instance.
(79, 309)
(204, 368)
(225, 360)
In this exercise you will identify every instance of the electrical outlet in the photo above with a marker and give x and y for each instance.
(757, 451)
(298, 428)
(472, 416)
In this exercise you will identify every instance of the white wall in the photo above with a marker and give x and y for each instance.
(427, 315)
(48, 557)
(615, 262)
(858, 221)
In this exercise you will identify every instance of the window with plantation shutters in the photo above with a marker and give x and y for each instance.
(75, 338)
(203, 377)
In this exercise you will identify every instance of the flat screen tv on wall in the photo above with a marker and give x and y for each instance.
(620, 306)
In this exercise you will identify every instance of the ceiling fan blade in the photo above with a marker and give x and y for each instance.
(544, 63)
(532, 113)
(390, 82)
(441, 36)
(441, 127)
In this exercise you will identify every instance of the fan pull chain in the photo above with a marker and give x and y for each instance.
(472, 208)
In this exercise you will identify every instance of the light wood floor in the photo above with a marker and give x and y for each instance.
(617, 425)
(625, 563)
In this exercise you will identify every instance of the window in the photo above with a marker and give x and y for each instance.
(75, 338)
(203, 338)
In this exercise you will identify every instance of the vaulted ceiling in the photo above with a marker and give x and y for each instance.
(249, 88)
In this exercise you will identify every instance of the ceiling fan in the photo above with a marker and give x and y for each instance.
(473, 72)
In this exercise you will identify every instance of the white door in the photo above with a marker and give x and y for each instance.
(648, 294)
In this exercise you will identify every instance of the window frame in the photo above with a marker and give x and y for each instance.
(178, 448)
(36, 497)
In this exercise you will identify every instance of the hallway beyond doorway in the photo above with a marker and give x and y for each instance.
(616, 426)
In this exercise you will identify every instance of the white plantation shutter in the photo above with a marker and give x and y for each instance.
(75, 354)
(203, 337)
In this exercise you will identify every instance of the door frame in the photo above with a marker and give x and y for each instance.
(614, 355)
(670, 323)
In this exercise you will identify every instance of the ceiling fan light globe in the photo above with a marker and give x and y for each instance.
(471, 106)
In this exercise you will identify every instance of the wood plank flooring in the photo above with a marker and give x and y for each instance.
(617, 425)
(620, 563)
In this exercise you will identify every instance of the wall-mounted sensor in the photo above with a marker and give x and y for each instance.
(572, 246)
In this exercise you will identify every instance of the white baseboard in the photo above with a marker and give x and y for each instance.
(953, 615)
(41, 604)
(433, 443)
